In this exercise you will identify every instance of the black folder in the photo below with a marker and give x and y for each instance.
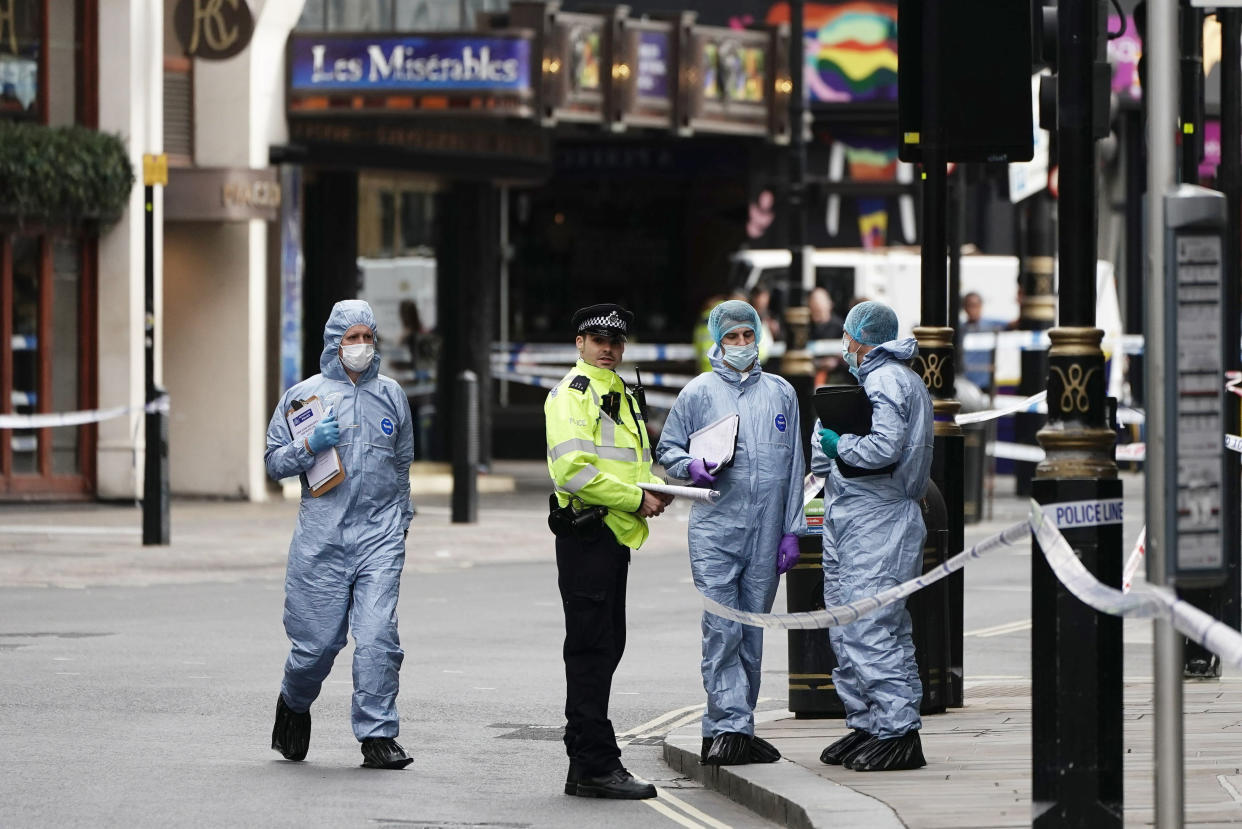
(846, 410)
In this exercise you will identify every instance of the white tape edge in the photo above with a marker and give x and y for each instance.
(81, 418)
(1133, 562)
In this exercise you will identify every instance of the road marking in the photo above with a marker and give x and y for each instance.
(691, 811)
(1228, 787)
(39, 529)
(651, 724)
(673, 816)
(1000, 630)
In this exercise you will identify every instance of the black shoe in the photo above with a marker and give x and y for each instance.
(617, 785)
(761, 751)
(835, 754)
(384, 753)
(291, 733)
(730, 748)
(1202, 668)
(571, 779)
(893, 754)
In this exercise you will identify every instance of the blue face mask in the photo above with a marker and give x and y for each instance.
(740, 357)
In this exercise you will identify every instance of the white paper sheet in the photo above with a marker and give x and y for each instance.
(715, 442)
(302, 423)
(694, 493)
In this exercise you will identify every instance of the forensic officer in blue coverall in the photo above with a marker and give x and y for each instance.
(873, 540)
(348, 546)
(738, 547)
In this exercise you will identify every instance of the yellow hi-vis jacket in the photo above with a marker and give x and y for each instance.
(596, 458)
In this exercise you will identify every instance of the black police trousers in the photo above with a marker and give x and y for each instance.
(592, 575)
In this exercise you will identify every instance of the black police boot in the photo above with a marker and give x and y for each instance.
(730, 748)
(1202, 667)
(571, 779)
(615, 785)
(384, 753)
(291, 733)
(761, 751)
(835, 754)
(894, 754)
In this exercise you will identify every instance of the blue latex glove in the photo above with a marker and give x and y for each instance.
(327, 433)
(828, 441)
(787, 554)
(699, 476)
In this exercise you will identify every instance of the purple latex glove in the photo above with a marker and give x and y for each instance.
(787, 554)
(699, 476)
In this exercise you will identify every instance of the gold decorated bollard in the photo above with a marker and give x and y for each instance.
(1077, 439)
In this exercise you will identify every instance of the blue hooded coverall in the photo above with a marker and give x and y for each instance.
(733, 544)
(348, 547)
(873, 540)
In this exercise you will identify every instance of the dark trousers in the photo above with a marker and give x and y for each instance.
(591, 575)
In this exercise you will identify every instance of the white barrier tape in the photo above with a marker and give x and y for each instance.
(1143, 603)
(1025, 452)
(1133, 562)
(660, 400)
(650, 378)
(844, 614)
(1233, 442)
(53, 419)
(1023, 404)
(559, 353)
(1033, 340)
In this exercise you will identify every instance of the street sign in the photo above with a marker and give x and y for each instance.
(154, 169)
(1194, 319)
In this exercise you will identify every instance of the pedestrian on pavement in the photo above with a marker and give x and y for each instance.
(740, 546)
(348, 546)
(598, 453)
(873, 540)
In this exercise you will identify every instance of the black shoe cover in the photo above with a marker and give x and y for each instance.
(707, 746)
(894, 754)
(835, 754)
(291, 733)
(730, 748)
(615, 785)
(761, 751)
(571, 779)
(384, 753)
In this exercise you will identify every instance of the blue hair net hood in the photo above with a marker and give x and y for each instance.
(871, 323)
(345, 315)
(729, 315)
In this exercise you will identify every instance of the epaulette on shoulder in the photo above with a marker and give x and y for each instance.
(580, 383)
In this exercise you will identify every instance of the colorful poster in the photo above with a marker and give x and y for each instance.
(851, 50)
(653, 55)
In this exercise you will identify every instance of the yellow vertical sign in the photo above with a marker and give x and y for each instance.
(154, 170)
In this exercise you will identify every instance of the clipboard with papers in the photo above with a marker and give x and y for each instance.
(327, 471)
(716, 442)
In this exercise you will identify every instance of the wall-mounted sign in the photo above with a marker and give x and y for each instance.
(444, 72)
(213, 29)
(738, 81)
(221, 194)
(649, 59)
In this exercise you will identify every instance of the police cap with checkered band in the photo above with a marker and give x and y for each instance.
(607, 319)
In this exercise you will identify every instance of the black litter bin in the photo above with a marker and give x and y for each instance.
(811, 660)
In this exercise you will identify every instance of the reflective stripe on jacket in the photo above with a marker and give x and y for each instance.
(593, 456)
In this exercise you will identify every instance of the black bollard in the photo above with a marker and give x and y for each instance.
(466, 450)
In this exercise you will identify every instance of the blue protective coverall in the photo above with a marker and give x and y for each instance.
(348, 548)
(733, 544)
(873, 539)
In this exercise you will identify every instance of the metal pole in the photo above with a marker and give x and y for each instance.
(155, 469)
(1160, 52)
(796, 363)
(1230, 178)
(466, 450)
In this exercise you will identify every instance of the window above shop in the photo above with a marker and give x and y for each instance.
(393, 15)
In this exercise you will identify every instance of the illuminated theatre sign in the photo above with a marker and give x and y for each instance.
(455, 74)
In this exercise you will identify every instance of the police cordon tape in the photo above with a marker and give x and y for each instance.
(80, 418)
(1146, 602)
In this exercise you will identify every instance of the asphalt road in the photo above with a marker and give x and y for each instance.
(153, 706)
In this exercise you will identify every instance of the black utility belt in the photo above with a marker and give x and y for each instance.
(848, 471)
(577, 518)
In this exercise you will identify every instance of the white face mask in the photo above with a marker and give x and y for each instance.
(357, 357)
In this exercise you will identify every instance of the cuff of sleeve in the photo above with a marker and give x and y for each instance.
(638, 500)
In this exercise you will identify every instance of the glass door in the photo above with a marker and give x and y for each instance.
(46, 363)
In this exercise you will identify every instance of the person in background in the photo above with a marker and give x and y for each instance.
(741, 545)
(703, 342)
(825, 325)
(977, 363)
